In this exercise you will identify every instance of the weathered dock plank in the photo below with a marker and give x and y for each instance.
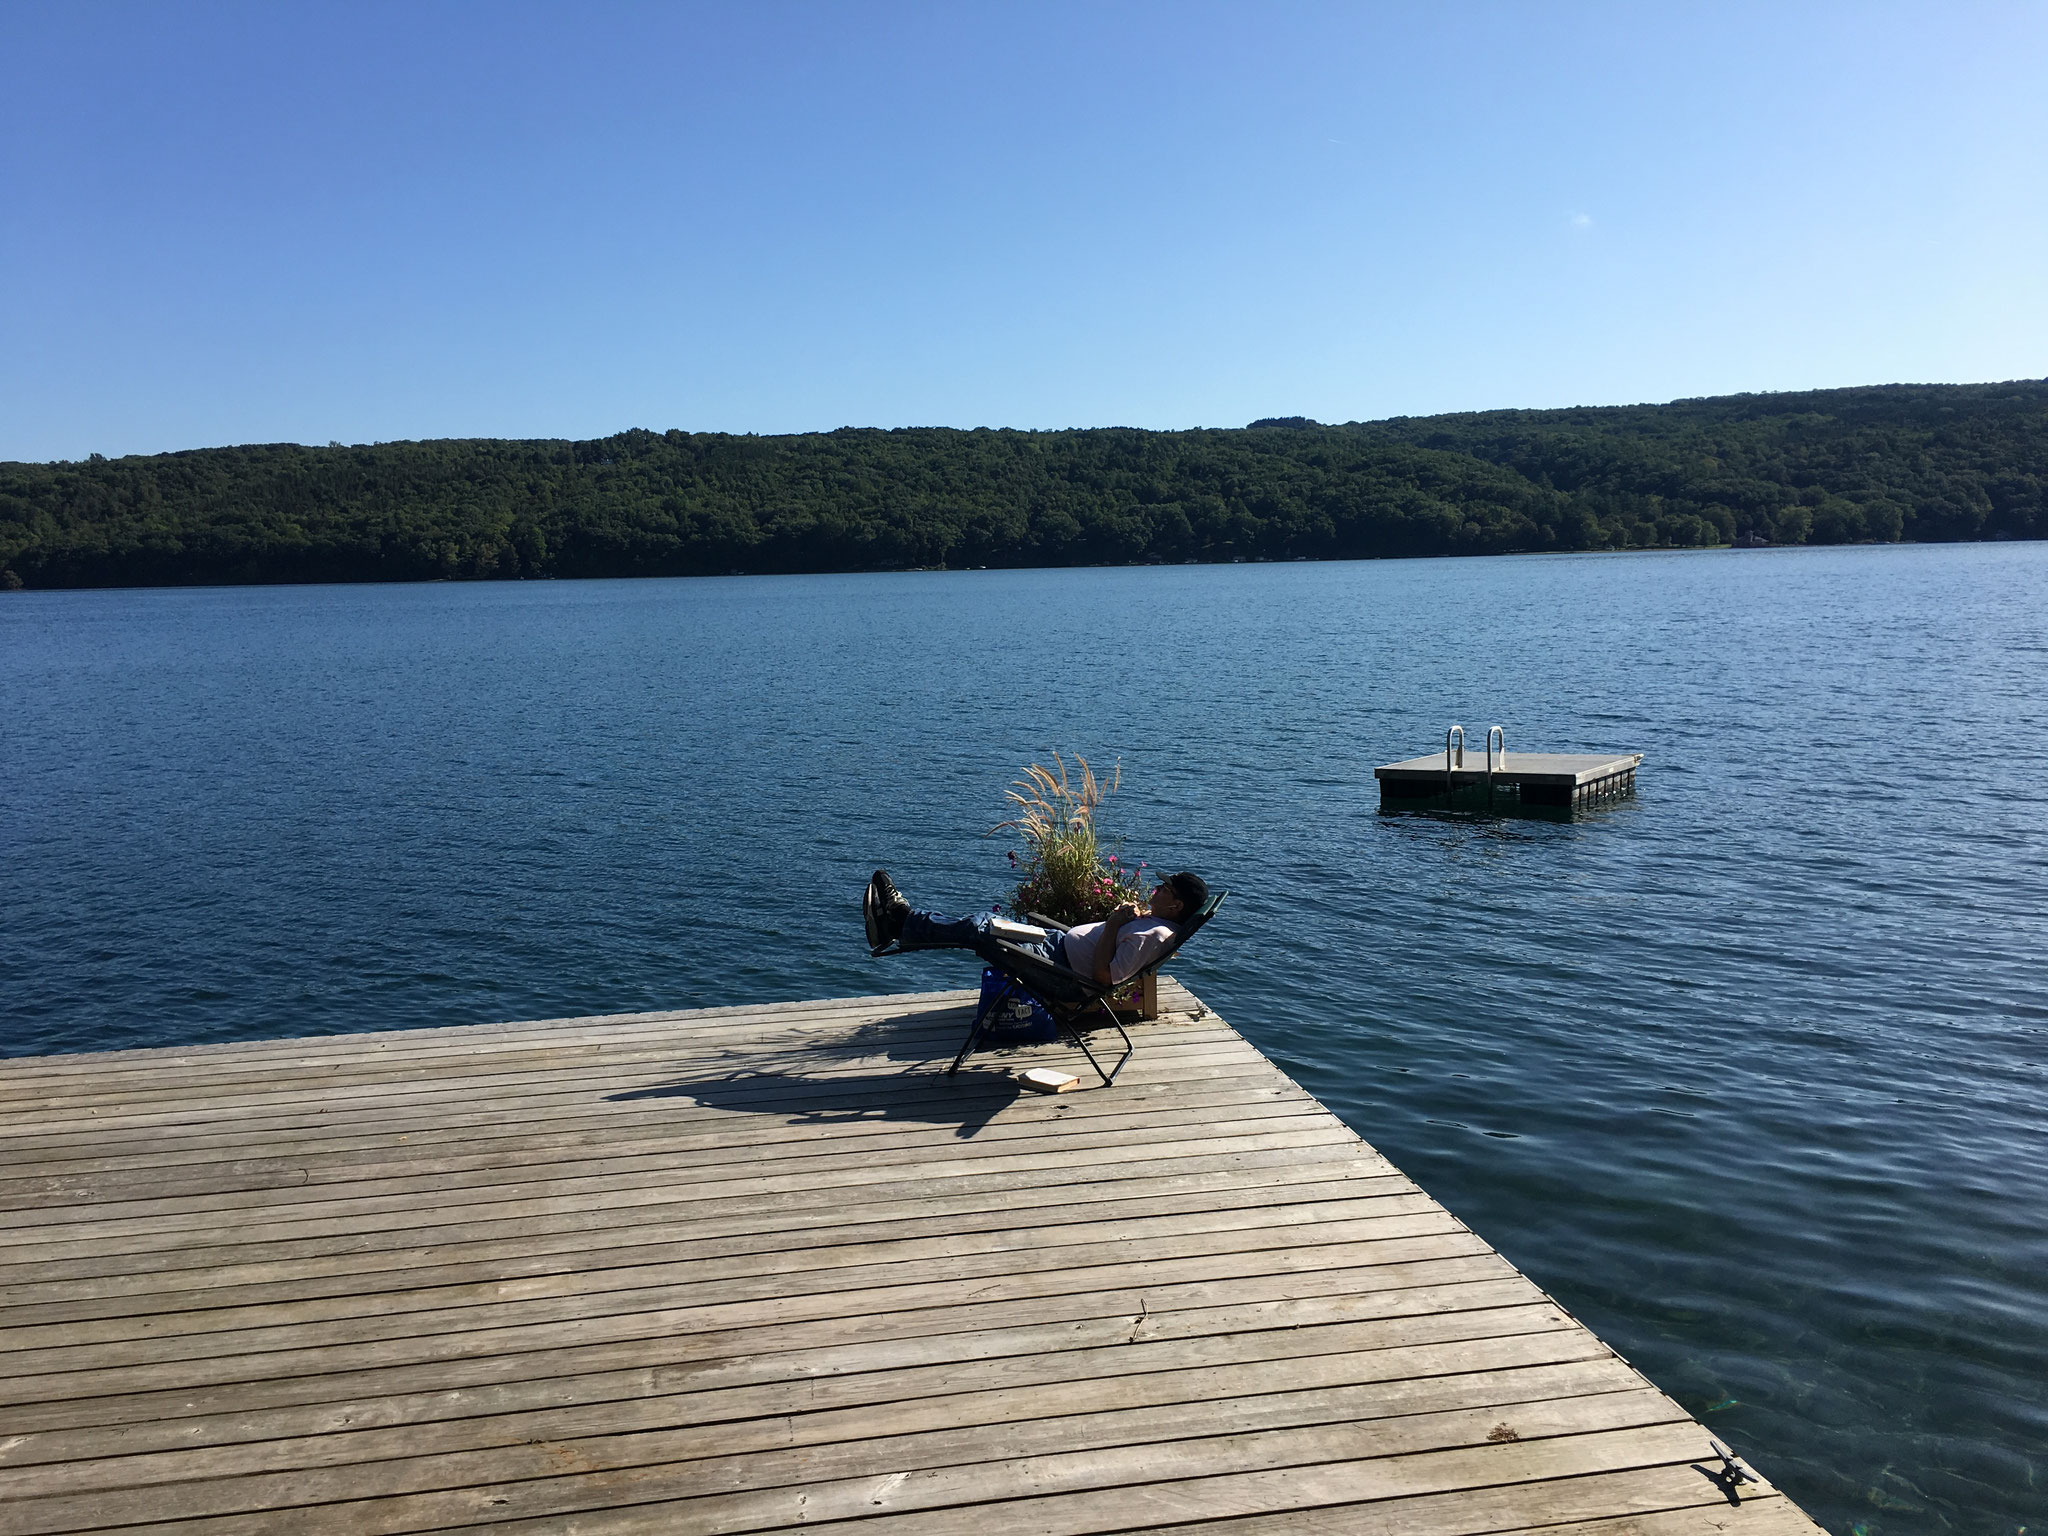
(743, 1269)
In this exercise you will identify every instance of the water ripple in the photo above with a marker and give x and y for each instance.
(1747, 1070)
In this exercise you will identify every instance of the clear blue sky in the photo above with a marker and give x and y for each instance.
(253, 223)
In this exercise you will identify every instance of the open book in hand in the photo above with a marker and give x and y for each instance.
(1015, 933)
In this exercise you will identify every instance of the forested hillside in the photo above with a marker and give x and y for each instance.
(1886, 463)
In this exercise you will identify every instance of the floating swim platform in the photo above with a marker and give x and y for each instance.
(1536, 778)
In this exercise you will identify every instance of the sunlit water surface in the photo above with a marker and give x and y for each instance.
(1747, 1071)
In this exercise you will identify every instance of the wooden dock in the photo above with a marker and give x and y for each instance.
(744, 1269)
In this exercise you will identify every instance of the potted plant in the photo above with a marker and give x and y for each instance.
(1065, 873)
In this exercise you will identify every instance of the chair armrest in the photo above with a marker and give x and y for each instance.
(1046, 922)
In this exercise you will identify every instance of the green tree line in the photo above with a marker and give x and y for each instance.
(1919, 462)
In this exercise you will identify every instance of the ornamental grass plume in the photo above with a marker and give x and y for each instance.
(1064, 873)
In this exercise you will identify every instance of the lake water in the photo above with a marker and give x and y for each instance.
(1748, 1070)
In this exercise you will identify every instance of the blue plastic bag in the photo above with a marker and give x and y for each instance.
(1017, 1019)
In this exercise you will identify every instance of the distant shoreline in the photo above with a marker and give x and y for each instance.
(928, 570)
(1887, 464)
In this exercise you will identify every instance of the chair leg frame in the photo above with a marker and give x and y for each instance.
(980, 1024)
(1068, 1026)
(1073, 1033)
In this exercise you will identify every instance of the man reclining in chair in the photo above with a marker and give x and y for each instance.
(1109, 952)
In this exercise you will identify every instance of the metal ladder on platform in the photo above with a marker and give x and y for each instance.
(1457, 733)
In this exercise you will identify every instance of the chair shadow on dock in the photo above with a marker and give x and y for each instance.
(829, 1087)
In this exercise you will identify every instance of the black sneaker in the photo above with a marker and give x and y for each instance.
(884, 909)
(871, 914)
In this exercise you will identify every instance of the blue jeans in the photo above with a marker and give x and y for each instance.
(928, 930)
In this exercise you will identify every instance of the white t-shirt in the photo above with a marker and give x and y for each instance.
(1138, 944)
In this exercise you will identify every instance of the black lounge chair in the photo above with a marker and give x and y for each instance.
(1076, 1003)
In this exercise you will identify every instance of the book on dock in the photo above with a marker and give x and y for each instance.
(1047, 1080)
